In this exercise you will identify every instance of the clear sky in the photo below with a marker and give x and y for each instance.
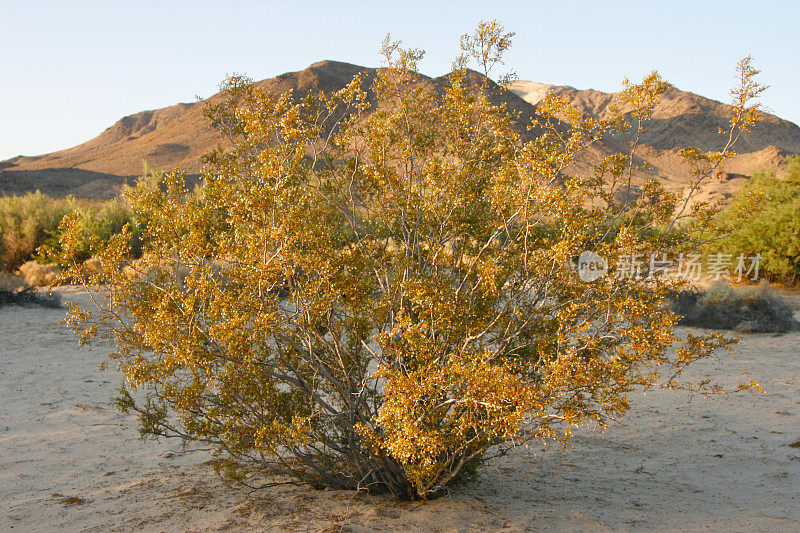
(69, 69)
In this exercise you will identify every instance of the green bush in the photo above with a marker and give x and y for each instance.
(772, 230)
(99, 224)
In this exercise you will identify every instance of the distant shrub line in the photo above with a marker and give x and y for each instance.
(28, 222)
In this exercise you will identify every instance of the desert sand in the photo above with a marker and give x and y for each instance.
(70, 462)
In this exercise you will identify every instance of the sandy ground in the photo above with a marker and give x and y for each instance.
(69, 461)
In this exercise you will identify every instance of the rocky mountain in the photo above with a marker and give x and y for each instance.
(177, 136)
(687, 119)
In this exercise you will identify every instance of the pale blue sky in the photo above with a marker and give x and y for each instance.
(70, 69)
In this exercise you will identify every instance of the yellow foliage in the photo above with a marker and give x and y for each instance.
(372, 288)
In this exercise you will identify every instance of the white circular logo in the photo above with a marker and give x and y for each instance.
(591, 266)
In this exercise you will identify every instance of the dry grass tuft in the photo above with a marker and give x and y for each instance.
(37, 274)
(753, 309)
(10, 282)
(93, 265)
(73, 500)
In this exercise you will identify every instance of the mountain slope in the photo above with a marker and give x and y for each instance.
(681, 119)
(687, 119)
(177, 136)
(173, 136)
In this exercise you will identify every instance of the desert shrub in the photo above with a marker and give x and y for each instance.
(99, 222)
(26, 222)
(109, 220)
(772, 230)
(11, 282)
(38, 274)
(373, 288)
(754, 309)
(29, 296)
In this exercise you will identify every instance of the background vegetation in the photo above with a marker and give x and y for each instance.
(28, 222)
(772, 230)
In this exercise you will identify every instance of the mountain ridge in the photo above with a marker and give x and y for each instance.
(176, 136)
